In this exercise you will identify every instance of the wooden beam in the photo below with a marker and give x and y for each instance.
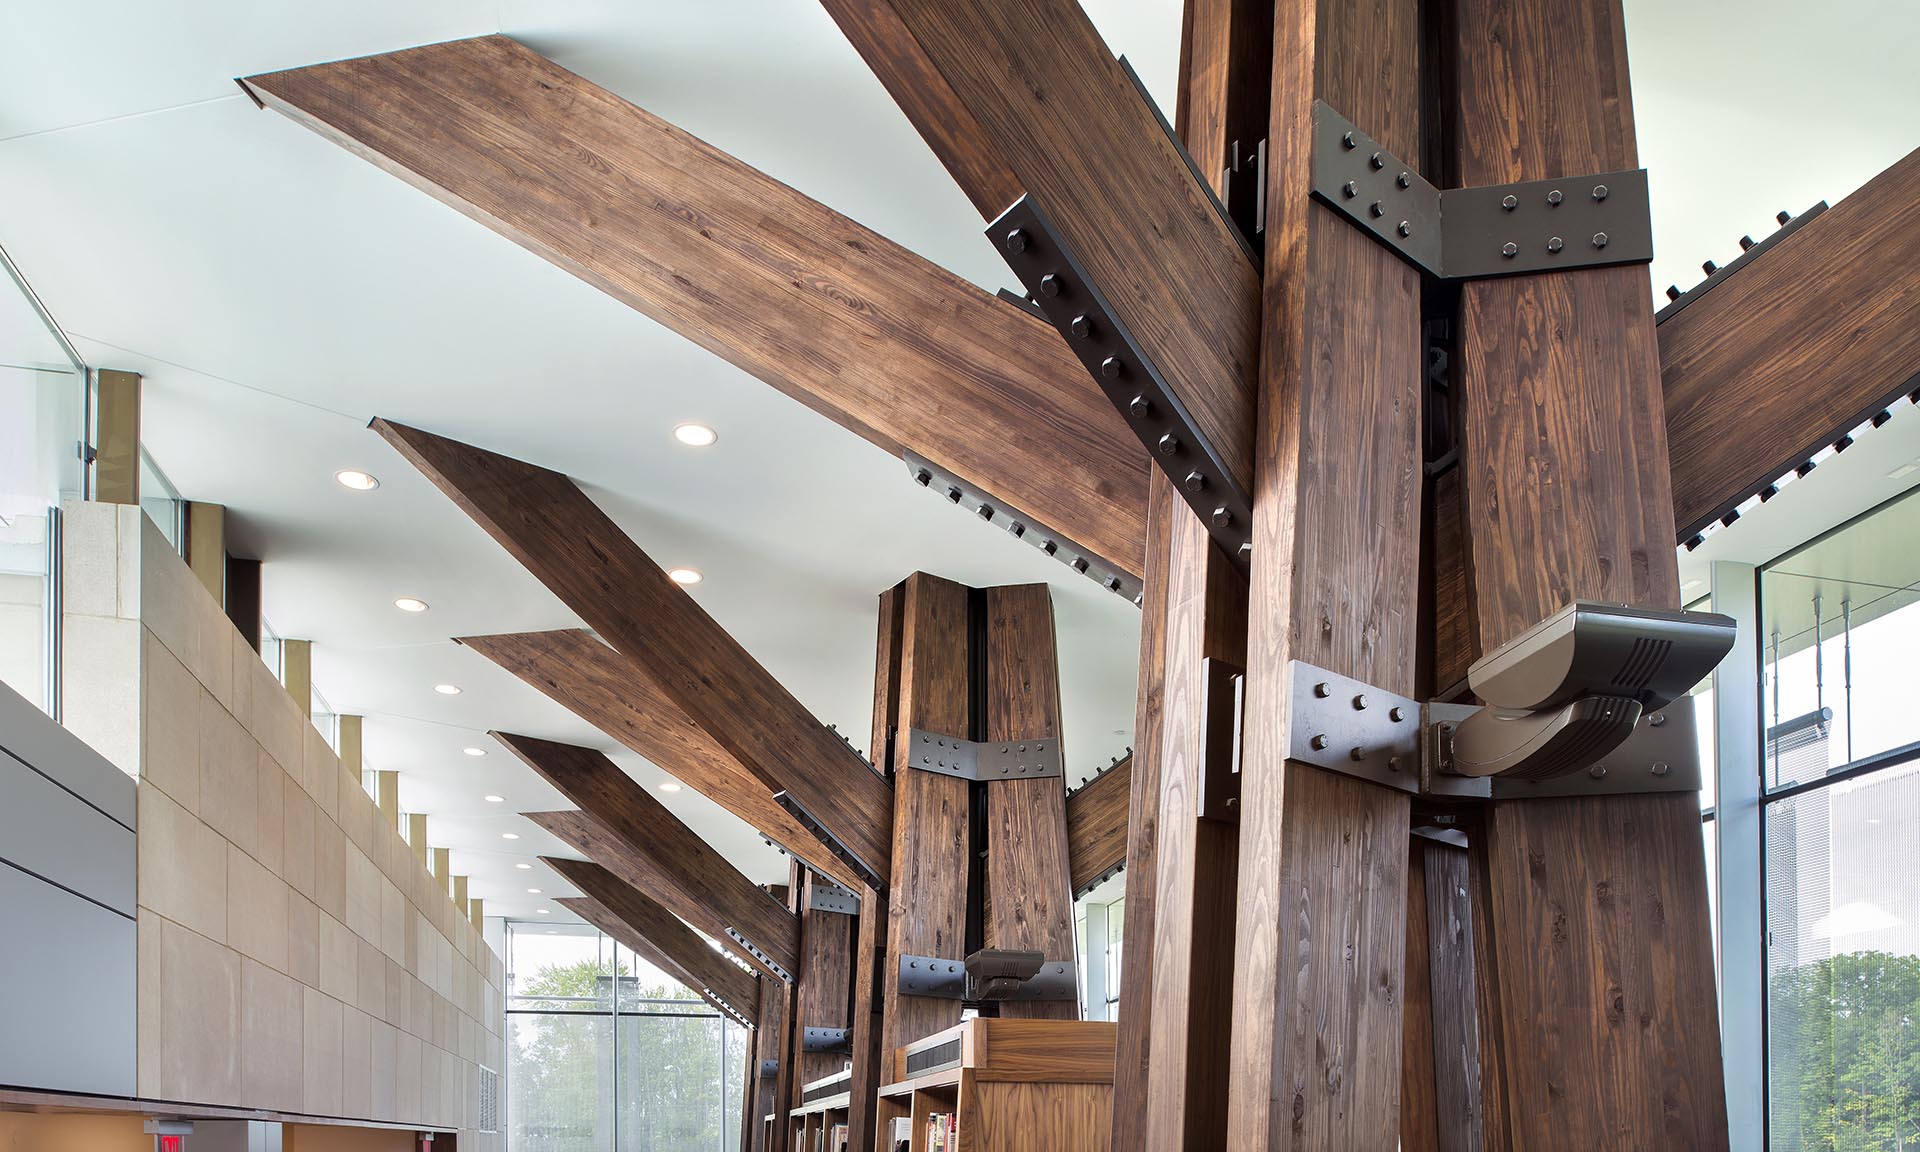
(669, 944)
(823, 982)
(1029, 893)
(633, 836)
(1419, 1119)
(1796, 349)
(1058, 111)
(890, 346)
(1599, 964)
(575, 670)
(872, 1058)
(1097, 824)
(1446, 891)
(116, 464)
(584, 558)
(771, 1091)
(1322, 904)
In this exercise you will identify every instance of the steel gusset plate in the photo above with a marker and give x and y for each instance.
(984, 760)
(1072, 303)
(826, 896)
(947, 980)
(754, 951)
(832, 843)
(826, 1039)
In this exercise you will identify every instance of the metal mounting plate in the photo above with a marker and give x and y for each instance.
(1344, 725)
(753, 950)
(826, 1039)
(845, 854)
(1020, 526)
(984, 759)
(1073, 304)
(825, 896)
(1662, 755)
(947, 980)
(739, 1017)
(1221, 712)
(1480, 232)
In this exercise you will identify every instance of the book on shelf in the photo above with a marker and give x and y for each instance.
(943, 1132)
(900, 1134)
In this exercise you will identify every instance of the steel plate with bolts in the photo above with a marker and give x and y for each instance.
(983, 759)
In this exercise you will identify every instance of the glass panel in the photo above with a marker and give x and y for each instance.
(1843, 964)
(1116, 925)
(160, 500)
(671, 1095)
(559, 1083)
(1708, 838)
(1841, 621)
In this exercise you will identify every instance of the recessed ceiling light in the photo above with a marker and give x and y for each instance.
(669, 786)
(447, 689)
(357, 480)
(542, 911)
(474, 751)
(494, 799)
(684, 575)
(533, 891)
(509, 835)
(523, 866)
(410, 604)
(695, 435)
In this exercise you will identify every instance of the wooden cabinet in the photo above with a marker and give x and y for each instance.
(1009, 1085)
(819, 1124)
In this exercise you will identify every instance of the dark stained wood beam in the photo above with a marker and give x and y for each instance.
(823, 982)
(1097, 825)
(686, 955)
(683, 884)
(1057, 110)
(650, 839)
(770, 1093)
(598, 915)
(583, 557)
(575, 670)
(890, 346)
(1791, 352)
(1597, 946)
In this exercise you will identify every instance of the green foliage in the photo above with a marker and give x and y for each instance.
(669, 1098)
(1845, 1060)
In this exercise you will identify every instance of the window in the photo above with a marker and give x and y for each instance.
(663, 1073)
(1841, 825)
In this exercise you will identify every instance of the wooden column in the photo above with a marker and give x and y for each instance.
(296, 673)
(1600, 961)
(770, 1091)
(1322, 900)
(823, 984)
(872, 1059)
(207, 547)
(116, 437)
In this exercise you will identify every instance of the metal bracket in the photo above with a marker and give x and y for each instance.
(983, 759)
(769, 1069)
(1345, 725)
(1073, 304)
(824, 896)
(826, 1039)
(1662, 755)
(1020, 526)
(739, 1017)
(988, 975)
(833, 844)
(1221, 709)
(753, 950)
(1481, 232)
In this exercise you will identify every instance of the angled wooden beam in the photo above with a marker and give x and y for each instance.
(890, 346)
(575, 670)
(1791, 352)
(687, 955)
(684, 964)
(685, 883)
(657, 841)
(1097, 825)
(583, 557)
(1059, 112)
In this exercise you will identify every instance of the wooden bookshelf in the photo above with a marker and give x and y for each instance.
(819, 1124)
(1014, 1085)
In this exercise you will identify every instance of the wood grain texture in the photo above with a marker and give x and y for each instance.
(1042, 1117)
(691, 958)
(823, 984)
(1446, 892)
(1601, 969)
(1029, 897)
(1196, 882)
(1335, 580)
(650, 842)
(927, 901)
(774, 1093)
(603, 918)
(575, 670)
(1097, 823)
(890, 346)
(1604, 974)
(681, 885)
(1134, 1045)
(1419, 1120)
(864, 1128)
(1059, 112)
(583, 557)
(1791, 352)
(875, 31)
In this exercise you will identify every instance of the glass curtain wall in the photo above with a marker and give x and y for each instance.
(43, 389)
(606, 1052)
(1841, 766)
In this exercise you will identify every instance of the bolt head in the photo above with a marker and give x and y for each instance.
(1393, 763)
(1168, 444)
(1111, 367)
(1657, 719)
(1509, 249)
(923, 477)
(1081, 327)
(954, 494)
(1600, 239)
(1347, 140)
(985, 512)
(1319, 743)
(1376, 161)
(1396, 714)
(1017, 241)
(1080, 565)
(1554, 197)
(1404, 180)
(1376, 210)
(1598, 771)
(1356, 754)
(1360, 702)
(1349, 189)
(1323, 690)
(1509, 202)
(1140, 407)
(1599, 191)
(1221, 517)
(1050, 285)
(1555, 244)
(1195, 481)
(1405, 229)
(1660, 769)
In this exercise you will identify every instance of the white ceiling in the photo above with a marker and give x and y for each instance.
(278, 292)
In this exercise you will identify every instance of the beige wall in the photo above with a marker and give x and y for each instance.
(294, 955)
(68, 1132)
